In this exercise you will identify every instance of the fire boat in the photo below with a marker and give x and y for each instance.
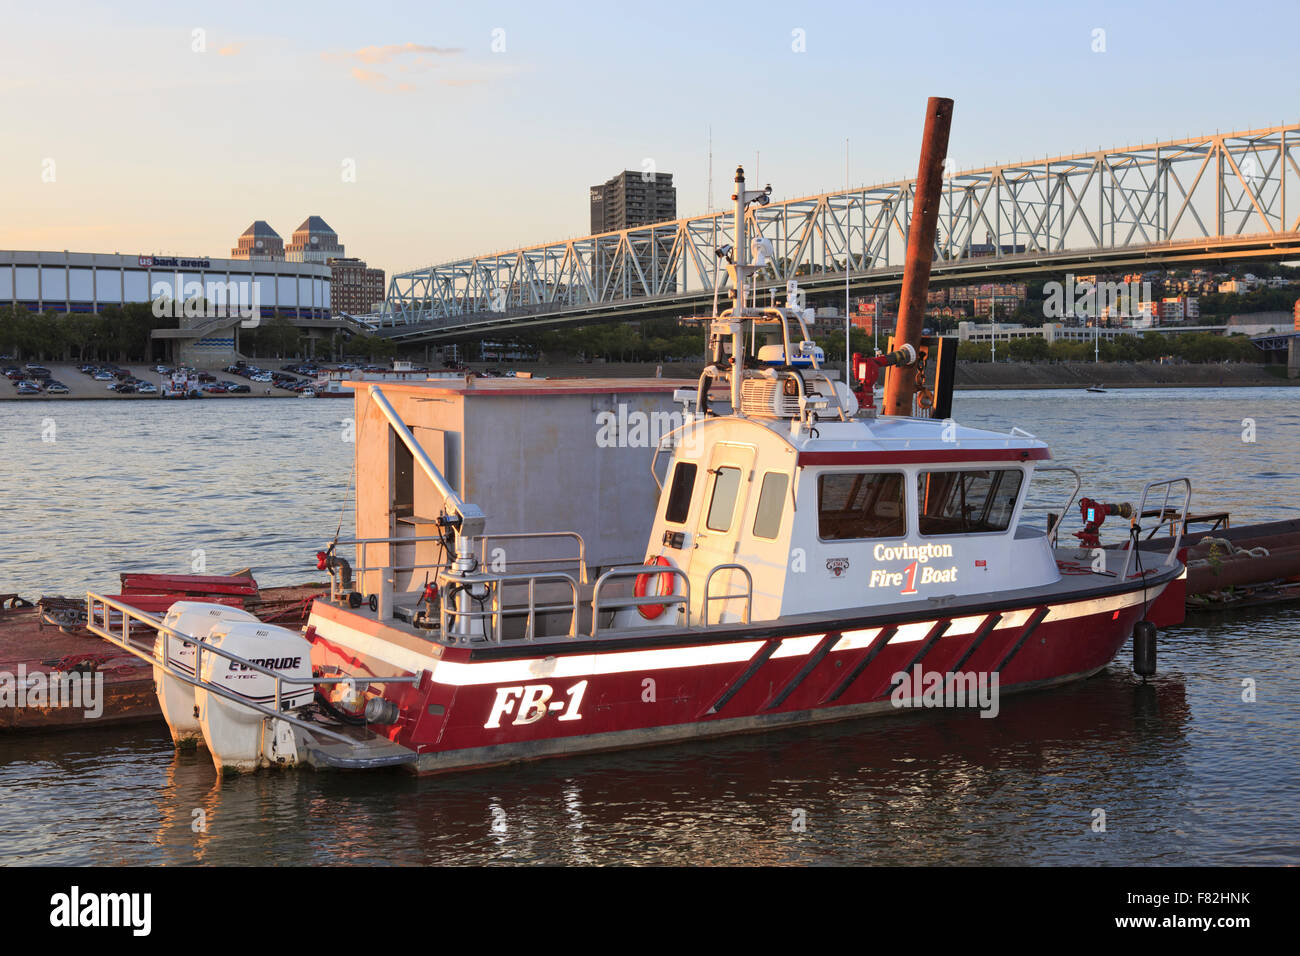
(798, 556)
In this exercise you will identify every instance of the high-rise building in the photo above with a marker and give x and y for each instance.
(354, 287)
(259, 241)
(631, 199)
(314, 241)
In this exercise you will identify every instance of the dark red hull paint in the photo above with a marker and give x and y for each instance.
(616, 709)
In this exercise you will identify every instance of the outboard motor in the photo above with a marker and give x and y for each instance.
(240, 738)
(175, 696)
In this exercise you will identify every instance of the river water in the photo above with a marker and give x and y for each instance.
(1185, 771)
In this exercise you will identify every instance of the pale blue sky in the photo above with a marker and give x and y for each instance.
(459, 149)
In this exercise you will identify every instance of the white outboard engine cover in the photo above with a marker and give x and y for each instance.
(240, 738)
(175, 696)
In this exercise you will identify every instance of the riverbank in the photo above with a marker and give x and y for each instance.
(970, 375)
(1076, 375)
(982, 375)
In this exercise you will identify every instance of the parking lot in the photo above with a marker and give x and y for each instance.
(63, 380)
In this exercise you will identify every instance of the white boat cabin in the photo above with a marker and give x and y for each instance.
(843, 514)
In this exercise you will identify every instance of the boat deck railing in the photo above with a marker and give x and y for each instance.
(1176, 516)
(1055, 517)
(491, 619)
(652, 571)
(579, 559)
(747, 594)
(487, 618)
(100, 619)
(364, 563)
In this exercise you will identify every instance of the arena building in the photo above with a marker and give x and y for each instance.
(232, 291)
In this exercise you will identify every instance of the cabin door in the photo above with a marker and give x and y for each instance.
(717, 535)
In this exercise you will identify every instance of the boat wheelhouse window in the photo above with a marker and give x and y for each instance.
(860, 505)
(771, 505)
(965, 502)
(725, 487)
(679, 497)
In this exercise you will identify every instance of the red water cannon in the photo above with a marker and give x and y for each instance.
(1093, 514)
(866, 370)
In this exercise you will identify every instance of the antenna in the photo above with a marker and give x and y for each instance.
(710, 209)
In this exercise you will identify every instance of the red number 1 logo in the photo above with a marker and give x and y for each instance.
(910, 571)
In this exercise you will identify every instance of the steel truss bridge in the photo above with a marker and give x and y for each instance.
(1231, 195)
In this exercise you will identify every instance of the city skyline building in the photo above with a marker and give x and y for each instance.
(259, 241)
(314, 241)
(632, 199)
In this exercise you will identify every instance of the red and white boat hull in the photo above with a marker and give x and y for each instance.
(491, 704)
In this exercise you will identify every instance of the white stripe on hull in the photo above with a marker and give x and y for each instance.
(460, 674)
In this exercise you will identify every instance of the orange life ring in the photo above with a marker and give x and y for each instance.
(666, 586)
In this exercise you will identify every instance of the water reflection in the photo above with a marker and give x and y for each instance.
(912, 789)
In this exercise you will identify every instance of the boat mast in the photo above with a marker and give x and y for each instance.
(739, 268)
(738, 292)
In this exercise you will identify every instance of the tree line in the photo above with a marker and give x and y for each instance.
(1191, 347)
(115, 333)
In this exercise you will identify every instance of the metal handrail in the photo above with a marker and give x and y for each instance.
(524, 535)
(1053, 531)
(123, 641)
(1167, 484)
(748, 595)
(496, 614)
(683, 599)
(659, 447)
(361, 567)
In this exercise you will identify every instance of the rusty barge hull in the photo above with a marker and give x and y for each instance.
(31, 650)
(35, 652)
(1247, 566)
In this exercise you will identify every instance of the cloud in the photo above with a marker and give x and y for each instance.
(376, 55)
(230, 49)
(370, 78)
(410, 59)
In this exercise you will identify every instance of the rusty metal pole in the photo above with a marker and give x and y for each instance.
(900, 382)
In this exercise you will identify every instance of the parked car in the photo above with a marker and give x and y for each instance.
(28, 388)
(238, 389)
(102, 376)
(57, 388)
(147, 388)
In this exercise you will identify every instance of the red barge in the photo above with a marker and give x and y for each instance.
(808, 560)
